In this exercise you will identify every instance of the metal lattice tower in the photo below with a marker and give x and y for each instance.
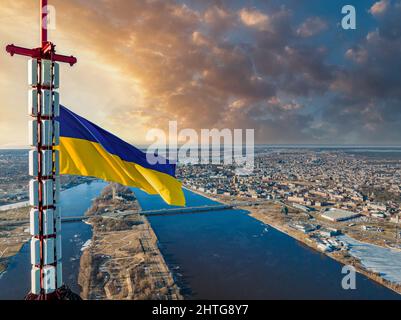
(44, 186)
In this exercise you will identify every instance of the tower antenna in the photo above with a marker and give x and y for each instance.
(44, 186)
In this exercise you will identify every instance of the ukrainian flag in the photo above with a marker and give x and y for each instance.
(88, 150)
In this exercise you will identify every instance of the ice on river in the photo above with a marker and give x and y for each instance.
(381, 260)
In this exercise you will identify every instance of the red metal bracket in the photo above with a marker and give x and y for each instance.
(33, 53)
(39, 53)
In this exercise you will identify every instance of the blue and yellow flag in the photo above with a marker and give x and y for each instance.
(88, 150)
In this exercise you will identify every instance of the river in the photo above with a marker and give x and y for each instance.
(15, 282)
(230, 255)
(214, 255)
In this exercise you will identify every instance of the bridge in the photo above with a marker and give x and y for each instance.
(158, 212)
(186, 210)
(26, 221)
(165, 212)
(74, 219)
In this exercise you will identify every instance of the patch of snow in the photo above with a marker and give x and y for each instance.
(385, 261)
(86, 245)
(14, 206)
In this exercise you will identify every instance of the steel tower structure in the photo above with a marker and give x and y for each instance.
(44, 186)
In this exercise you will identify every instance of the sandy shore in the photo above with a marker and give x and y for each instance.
(123, 260)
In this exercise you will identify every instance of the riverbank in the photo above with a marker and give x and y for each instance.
(14, 223)
(123, 260)
(342, 256)
(270, 213)
(13, 234)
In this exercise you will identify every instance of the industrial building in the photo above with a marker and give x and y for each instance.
(304, 227)
(336, 215)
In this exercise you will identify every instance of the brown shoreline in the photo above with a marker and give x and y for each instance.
(12, 234)
(123, 260)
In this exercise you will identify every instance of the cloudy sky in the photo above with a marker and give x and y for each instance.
(284, 68)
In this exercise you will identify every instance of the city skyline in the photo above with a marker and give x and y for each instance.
(284, 68)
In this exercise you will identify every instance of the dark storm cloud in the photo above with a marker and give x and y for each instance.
(368, 105)
(212, 64)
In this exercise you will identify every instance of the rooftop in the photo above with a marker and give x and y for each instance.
(339, 215)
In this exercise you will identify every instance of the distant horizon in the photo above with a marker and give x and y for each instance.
(306, 145)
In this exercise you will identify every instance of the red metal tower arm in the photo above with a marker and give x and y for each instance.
(33, 53)
(46, 51)
(71, 60)
(37, 53)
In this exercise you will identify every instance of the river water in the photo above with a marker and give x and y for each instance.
(15, 282)
(214, 255)
(230, 255)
